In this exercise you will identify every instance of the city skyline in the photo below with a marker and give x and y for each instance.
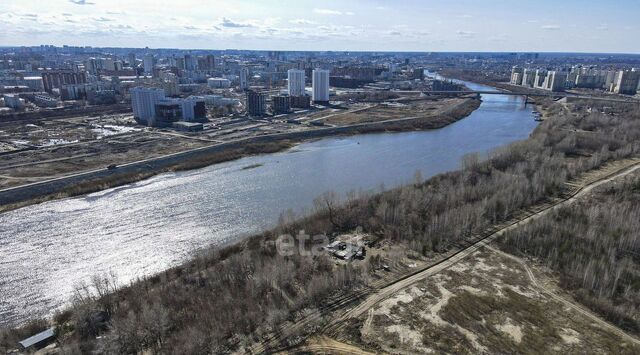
(498, 25)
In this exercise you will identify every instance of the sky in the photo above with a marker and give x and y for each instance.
(603, 26)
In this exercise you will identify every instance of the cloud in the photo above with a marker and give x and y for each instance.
(233, 24)
(82, 2)
(550, 27)
(302, 21)
(395, 33)
(500, 37)
(332, 12)
(465, 16)
(465, 34)
(103, 19)
(270, 31)
(603, 27)
(380, 8)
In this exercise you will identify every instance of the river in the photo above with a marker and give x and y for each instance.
(146, 227)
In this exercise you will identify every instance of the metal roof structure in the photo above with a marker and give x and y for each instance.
(35, 339)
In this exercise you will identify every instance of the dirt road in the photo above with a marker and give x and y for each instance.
(580, 188)
(449, 261)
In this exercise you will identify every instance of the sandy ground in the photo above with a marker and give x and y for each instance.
(486, 303)
(480, 300)
(391, 110)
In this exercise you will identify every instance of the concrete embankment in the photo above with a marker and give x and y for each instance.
(126, 173)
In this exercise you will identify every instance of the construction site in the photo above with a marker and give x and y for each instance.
(46, 149)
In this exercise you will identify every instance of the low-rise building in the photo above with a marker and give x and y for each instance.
(13, 101)
(218, 83)
(44, 100)
(188, 126)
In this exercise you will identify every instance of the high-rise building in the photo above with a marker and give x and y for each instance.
(516, 75)
(143, 103)
(554, 81)
(296, 82)
(211, 62)
(320, 83)
(132, 60)
(538, 82)
(56, 79)
(148, 63)
(244, 77)
(91, 66)
(256, 103)
(281, 104)
(528, 77)
(626, 82)
(193, 108)
(189, 62)
(300, 101)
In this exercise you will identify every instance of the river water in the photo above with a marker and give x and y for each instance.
(146, 227)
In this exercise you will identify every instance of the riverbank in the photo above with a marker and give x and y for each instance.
(97, 180)
(259, 292)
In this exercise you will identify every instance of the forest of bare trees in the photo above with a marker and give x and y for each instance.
(595, 247)
(226, 299)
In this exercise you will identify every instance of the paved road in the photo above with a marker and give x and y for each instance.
(26, 191)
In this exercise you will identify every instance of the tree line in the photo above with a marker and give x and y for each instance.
(227, 298)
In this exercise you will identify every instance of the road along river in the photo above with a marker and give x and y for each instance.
(146, 227)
